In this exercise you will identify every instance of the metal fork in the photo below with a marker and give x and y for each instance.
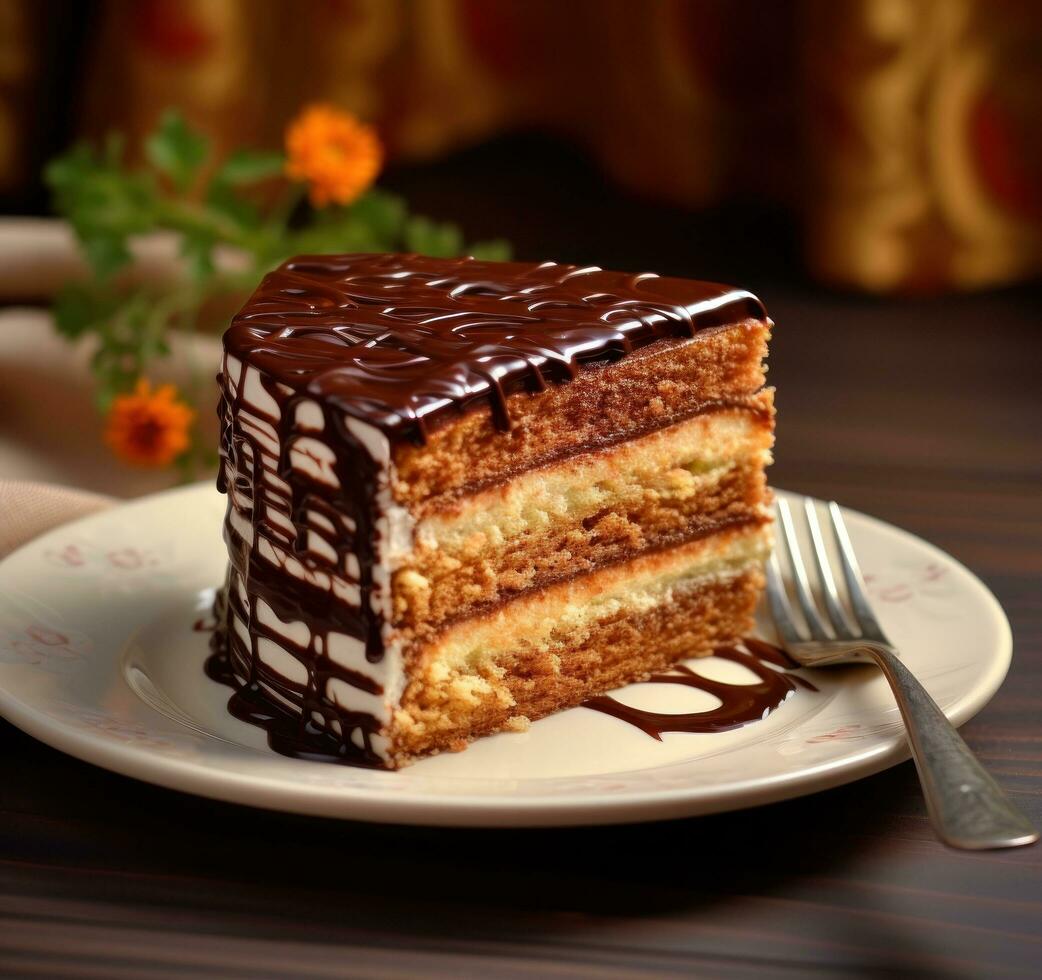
(968, 808)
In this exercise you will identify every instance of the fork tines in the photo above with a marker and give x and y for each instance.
(835, 623)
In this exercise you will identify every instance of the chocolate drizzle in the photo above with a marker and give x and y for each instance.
(739, 705)
(331, 361)
(291, 731)
(265, 492)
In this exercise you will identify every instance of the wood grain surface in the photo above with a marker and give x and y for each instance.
(923, 412)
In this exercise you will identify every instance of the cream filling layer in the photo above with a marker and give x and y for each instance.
(668, 466)
(563, 615)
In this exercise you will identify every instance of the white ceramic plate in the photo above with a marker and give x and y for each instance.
(99, 658)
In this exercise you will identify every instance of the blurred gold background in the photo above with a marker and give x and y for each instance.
(902, 135)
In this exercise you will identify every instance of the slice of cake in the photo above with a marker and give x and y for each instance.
(463, 494)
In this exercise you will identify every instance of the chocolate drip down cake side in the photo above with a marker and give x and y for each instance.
(463, 495)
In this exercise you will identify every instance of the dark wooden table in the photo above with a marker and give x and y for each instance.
(926, 413)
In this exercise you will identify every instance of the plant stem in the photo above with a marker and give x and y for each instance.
(282, 211)
(189, 216)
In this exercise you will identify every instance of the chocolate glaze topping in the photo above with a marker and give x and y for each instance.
(399, 344)
(402, 340)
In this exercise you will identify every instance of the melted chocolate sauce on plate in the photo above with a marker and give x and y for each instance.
(289, 733)
(739, 705)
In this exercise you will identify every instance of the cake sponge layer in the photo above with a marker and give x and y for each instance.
(628, 646)
(592, 509)
(548, 650)
(652, 387)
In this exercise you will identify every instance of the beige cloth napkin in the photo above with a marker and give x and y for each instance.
(28, 509)
(39, 255)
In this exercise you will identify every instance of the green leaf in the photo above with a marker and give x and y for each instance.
(223, 199)
(104, 394)
(104, 204)
(493, 250)
(76, 309)
(432, 238)
(114, 372)
(176, 150)
(381, 213)
(63, 172)
(197, 249)
(250, 167)
(106, 253)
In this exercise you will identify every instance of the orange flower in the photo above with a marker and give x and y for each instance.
(334, 153)
(149, 428)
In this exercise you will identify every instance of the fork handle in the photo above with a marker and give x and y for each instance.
(968, 808)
